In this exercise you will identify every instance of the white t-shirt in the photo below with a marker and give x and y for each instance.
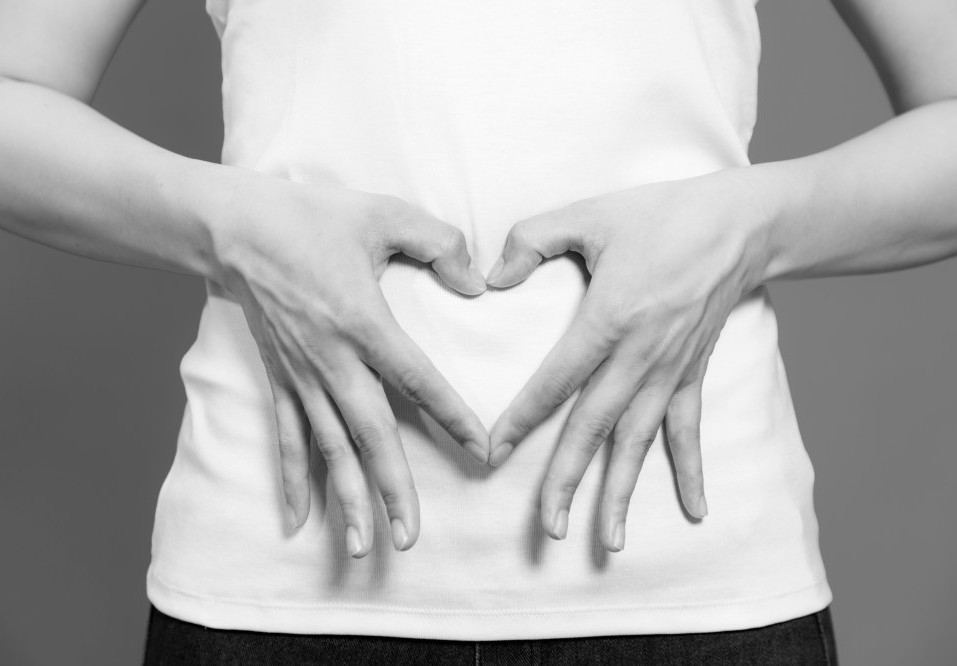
(485, 112)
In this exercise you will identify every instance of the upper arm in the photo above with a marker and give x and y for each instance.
(62, 44)
(913, 44)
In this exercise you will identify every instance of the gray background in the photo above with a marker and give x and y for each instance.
(91, 401)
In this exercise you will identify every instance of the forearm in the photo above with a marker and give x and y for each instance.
(883, 201)
(74, 180)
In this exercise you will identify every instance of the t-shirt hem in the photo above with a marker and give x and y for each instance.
(480, 624)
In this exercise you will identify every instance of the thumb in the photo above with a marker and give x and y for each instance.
(419, 235)
(536, 238)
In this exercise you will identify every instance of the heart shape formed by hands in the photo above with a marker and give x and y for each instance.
(668, 261)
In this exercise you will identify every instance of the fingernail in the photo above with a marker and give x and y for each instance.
(291, 518)
(702, 506)
(478, 451)
(399, 536)
(353, 541)
(477, 276)
(618, 537)
(560, 525)
(500, 454)
(496, 271)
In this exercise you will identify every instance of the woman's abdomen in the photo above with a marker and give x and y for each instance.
(220, 532)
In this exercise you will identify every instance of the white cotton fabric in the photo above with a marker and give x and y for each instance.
(485, 112)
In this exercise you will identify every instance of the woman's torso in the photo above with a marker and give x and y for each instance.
(484, 113)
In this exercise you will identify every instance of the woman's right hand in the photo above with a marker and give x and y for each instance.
(303, 260)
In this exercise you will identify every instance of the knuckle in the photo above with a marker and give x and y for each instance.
(518, 423)
(275, 376)
(560, 483)
(333, 450)
(558, 386)
(389, 209)
(658, 387)
(521, 236)
(691, 378)
(353, 321)
(349, 503)
(274, 371)
(349, 316)
(593, 430)
(634, 456)
(602, 326)
(291, 450)
(645, 438)
(592, 243)
(675, 354)
(618, 503)
(282, 388)
(373, 437)
(413, 383)
(635, 447)
(588, 215)
(454, 243)
(620, 318)
(394, 497)
(291, 443)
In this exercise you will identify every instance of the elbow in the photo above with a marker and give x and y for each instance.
(5, 82)
(918, 82)
(903, 100)
(84, 95)
(7, 79)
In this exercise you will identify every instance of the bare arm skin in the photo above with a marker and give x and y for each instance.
(884, 201)
(302, 260)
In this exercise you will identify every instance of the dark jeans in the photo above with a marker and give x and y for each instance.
(804, 640)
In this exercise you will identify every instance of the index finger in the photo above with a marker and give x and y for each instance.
(571, 361)
(398, 359)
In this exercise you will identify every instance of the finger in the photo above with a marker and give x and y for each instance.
(292, 428)
(294, 434)
(344, 469)
(362, 402)
(419, 235)
(633, 436)
(393, 354)
(591, 421)
(683, 431)
(533, 239)
(683, 434)
(574, 358)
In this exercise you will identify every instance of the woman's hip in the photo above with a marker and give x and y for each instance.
(805, 640)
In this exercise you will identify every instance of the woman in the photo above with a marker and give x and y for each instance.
(458, 134)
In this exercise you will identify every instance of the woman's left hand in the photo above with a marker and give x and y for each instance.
(668, 263)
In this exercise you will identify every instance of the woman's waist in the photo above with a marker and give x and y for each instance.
(487, 346)
(481, 523)
(219, 518)
(752, 451)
